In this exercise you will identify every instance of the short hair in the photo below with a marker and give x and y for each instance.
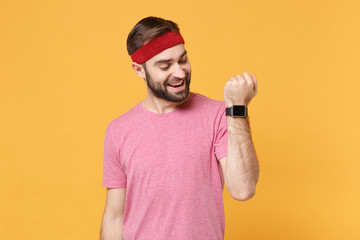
(148, 29)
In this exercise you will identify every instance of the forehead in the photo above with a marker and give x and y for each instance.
(171, 53)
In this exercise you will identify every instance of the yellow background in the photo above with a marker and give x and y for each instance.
(65, 74)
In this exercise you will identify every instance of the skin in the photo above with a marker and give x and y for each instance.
(240, 166)
(111, 225)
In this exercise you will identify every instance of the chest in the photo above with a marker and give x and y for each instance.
(168, 151)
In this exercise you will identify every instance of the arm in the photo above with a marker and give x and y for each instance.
(240, 167)
(111, 226)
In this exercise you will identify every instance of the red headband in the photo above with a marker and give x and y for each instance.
(156, 46)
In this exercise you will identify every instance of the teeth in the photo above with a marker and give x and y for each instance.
(177, 84)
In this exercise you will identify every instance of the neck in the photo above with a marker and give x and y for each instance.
(159, 105)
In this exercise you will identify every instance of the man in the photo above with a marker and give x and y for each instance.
(167, 158)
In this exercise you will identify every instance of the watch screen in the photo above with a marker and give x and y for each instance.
(239, 110)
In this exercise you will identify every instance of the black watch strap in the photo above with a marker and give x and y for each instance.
(237, 111)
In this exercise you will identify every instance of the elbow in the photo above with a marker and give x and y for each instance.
(242, 190)
(244, 195)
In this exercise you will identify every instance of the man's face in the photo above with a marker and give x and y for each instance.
(168, 74)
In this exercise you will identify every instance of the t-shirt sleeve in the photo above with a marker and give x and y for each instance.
(113, 172)
(221, 133)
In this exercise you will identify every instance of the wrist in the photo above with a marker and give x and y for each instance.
(236, 111)
(229, 104)
(238, 125)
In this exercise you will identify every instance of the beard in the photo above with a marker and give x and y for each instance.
(160, 89)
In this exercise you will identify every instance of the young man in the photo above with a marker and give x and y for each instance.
(167, 158)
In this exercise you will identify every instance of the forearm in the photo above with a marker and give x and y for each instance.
(242, 169)
(111, 228)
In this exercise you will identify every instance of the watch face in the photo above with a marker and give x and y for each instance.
(238, 110)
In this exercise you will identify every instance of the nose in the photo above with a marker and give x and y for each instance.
(179, 72)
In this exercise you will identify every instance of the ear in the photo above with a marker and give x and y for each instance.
(139, 69)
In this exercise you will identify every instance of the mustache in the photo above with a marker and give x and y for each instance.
(175, 80)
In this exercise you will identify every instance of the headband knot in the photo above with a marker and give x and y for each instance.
(156, 46)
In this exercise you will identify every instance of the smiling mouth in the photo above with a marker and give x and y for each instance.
(176, 85)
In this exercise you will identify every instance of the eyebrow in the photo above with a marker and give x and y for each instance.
(169, 60)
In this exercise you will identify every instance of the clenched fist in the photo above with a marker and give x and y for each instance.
(240, 89)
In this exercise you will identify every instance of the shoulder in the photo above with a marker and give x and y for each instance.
(124, 121)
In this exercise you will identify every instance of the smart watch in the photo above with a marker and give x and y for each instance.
(237, 111)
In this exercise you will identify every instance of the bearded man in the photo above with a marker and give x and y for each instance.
(167, 159)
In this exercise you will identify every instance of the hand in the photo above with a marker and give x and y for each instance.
(240, 89)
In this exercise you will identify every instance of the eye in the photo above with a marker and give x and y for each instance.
(164, 68)
(183, 61)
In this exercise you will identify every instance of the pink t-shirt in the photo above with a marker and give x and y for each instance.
(169, 166)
